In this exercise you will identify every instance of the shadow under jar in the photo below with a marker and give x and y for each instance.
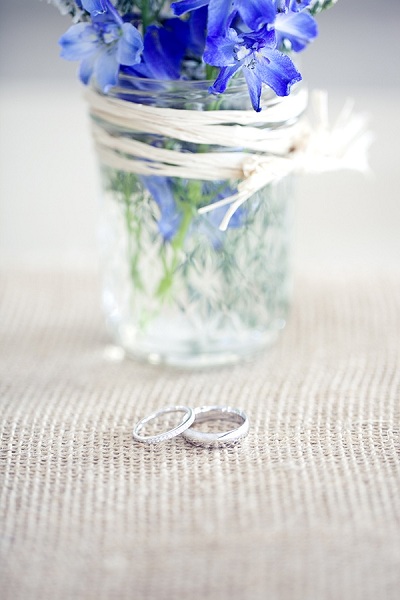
(178, 290)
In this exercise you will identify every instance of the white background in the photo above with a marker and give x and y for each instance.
(48, 204)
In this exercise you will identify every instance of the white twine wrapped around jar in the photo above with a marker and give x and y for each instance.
(266, 154)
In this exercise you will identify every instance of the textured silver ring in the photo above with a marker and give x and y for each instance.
(166, 435)
(211, 413)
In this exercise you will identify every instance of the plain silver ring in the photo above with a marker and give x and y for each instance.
(166, 435)
(210, 413)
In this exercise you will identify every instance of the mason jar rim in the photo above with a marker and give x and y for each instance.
(187, 92)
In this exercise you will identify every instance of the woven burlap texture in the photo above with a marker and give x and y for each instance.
(307, 507)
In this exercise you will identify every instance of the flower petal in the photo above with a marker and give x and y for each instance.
(130, 45)
(170, 216)
(297, 27)
(219, 51)
(106, 69)
(254, 84)
(256, 13)
(86, 68)
(95, 7)
(78, 42)
(277, 71)
(102, 10)
(197, 23)
(219, 12)
(184, 6)
(225, 74)
(298, 5)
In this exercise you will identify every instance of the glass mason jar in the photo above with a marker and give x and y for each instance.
(176, 289)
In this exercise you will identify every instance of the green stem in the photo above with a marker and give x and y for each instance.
(211, 72)
(176, 245)
(146, 17)
(133, 232)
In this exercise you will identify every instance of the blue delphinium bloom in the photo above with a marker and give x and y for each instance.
(256, 55)
(95, 7)
(252, 36)
(170, 216)
(102, 45)
(164, 49)
(254, 13)
(197, 32)
(249, 36)
(294, 24)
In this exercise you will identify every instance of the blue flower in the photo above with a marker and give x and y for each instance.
(95, 7)
(102, 45)
(255, 53)
(295, 25)
(164, 49)
(254, 13)
(170, 216)
(197, 32)
(166, 46)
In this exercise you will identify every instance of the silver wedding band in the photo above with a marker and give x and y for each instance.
(211, 413)
(197, 416)
(166, 435)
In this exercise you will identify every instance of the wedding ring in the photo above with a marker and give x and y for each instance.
(166, 435)
(211, 413)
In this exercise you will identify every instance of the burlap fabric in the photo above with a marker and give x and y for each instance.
(308, 507)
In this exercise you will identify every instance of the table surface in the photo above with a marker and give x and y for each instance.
(306, 507)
